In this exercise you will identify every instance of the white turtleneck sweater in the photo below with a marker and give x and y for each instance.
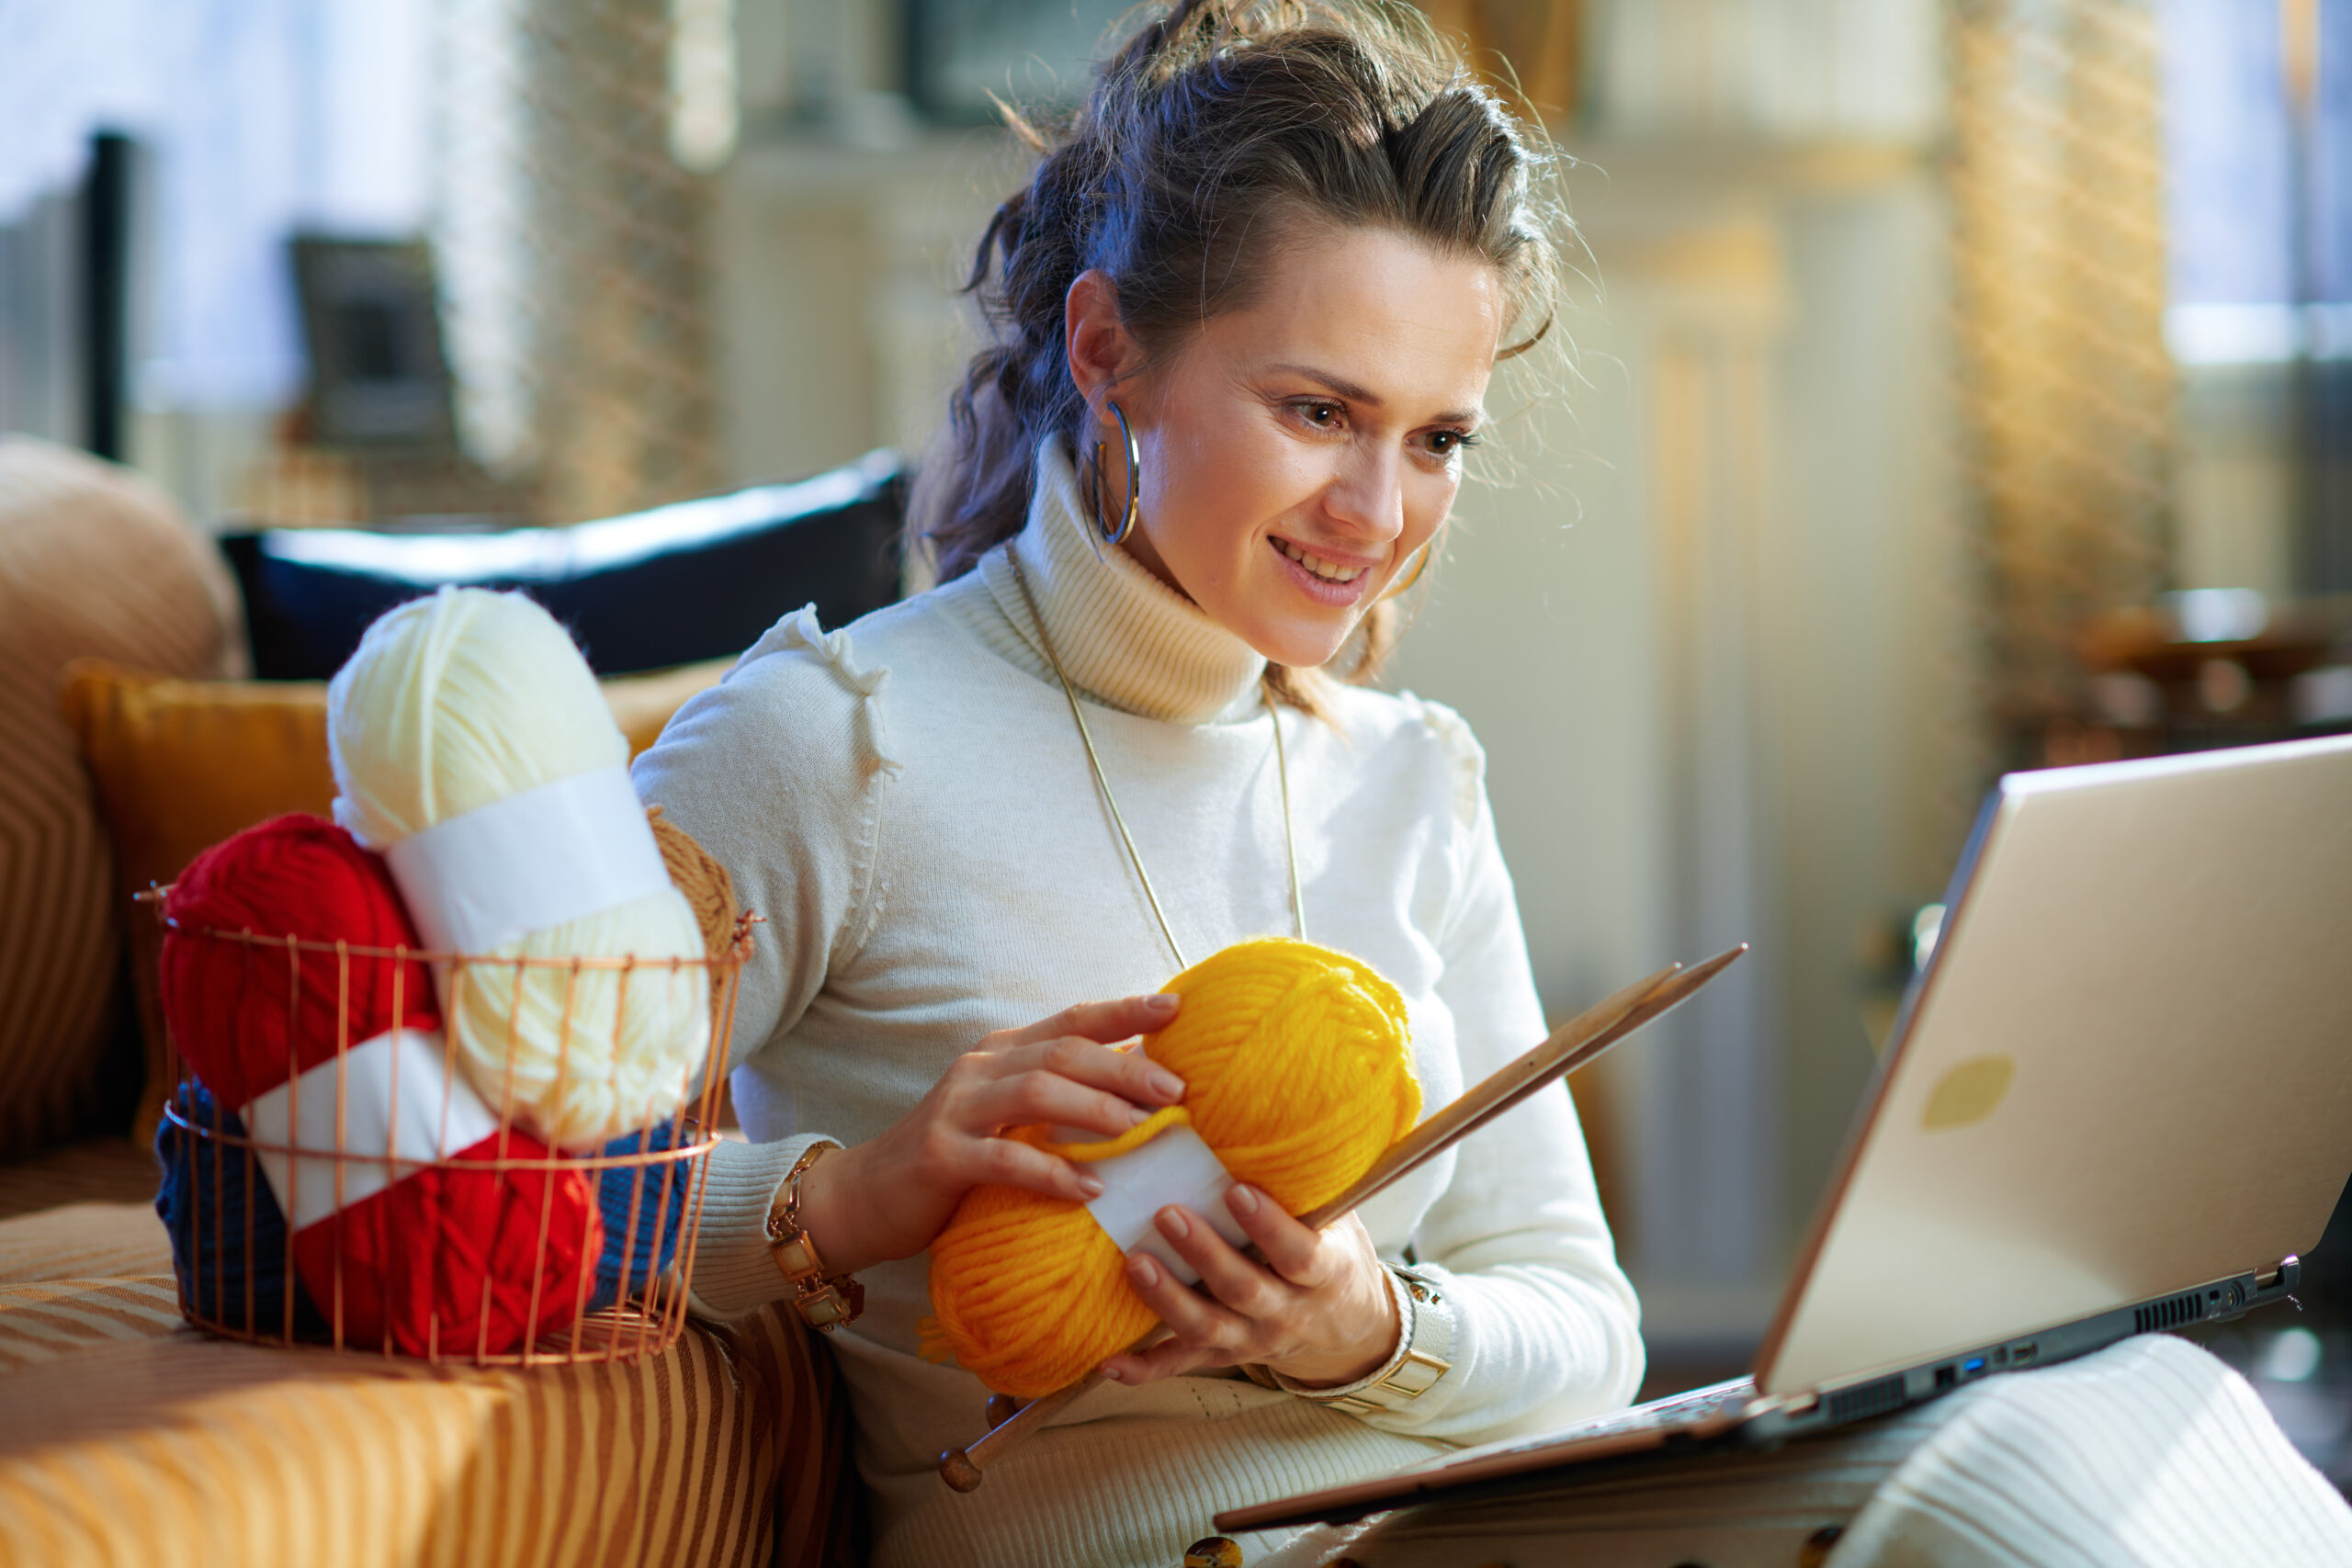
(908, 803)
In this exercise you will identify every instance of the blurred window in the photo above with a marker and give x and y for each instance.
(2258, 110)
(262, 117)
(1035, 54)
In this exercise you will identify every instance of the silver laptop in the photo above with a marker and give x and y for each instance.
(2117, 1098)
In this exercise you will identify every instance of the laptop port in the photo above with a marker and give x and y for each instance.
(1944, 1377)
(2023, 1355)
(1974, 1365)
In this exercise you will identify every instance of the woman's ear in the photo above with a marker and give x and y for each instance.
(1097, 343)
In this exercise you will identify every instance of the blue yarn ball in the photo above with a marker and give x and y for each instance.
(618, 1189)
(204, 1205)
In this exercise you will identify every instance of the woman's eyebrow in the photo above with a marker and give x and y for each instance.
(1369, 398)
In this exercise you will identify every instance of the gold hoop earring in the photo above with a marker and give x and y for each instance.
(1135, 475)
(1419, 567)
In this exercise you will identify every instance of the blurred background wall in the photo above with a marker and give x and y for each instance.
(1955, 385)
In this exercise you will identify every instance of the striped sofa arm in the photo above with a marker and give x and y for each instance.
(126, 1435)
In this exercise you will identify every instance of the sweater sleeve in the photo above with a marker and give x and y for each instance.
(778, 772)
(1546, 1327)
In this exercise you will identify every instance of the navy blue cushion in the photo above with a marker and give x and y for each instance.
(698, 580)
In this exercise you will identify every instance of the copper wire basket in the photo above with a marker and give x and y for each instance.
(654, 1191)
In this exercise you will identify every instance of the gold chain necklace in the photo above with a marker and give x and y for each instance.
(1282, 774)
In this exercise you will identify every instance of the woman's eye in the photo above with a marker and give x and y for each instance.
(1446, 443)
(1323, 416)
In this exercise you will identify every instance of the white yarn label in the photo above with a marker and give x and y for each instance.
(548, 856)
(398, 1109)
(1175, 1167)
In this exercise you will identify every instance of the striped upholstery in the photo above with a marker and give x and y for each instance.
(84, 1241)
(127, 1438)
(51, 1323)
(86, 1212)
(100, 1170)
(93, 561)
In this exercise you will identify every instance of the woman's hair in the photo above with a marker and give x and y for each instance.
(1212, 136)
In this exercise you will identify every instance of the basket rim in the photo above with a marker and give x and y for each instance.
(730, 962)
(623, 1334)
(706, 1139)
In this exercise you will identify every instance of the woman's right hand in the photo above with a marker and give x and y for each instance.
(890, 1197)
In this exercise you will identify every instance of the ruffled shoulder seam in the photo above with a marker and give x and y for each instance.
(801, 629)
(1463, 753)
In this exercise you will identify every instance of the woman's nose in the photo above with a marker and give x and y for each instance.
(1367, 495)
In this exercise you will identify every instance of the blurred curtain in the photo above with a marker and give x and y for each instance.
(574, 250)
(2067, 388)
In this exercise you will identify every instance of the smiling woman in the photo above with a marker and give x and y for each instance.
(1243, 320)
(1311, 212)
(1299, 454)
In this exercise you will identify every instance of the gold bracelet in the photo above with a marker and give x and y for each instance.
(1424, 1345)
(824, 1299)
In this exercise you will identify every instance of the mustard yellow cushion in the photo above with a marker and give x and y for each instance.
(182, 764)
(93, 561)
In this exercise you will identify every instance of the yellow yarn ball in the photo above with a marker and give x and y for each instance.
(1298, 1071)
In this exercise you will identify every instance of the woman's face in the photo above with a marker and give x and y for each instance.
(1298, 453)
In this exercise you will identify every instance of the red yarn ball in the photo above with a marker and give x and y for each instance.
(458, 1262)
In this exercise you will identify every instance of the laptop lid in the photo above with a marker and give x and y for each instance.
(2127, 1067)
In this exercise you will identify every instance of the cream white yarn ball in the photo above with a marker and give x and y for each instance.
(461, 700)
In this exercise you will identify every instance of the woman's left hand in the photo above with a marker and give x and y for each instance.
(1318, 1310)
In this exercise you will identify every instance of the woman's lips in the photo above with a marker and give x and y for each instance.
(1322, 589)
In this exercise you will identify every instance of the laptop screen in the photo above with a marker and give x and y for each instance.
(2127, 1068)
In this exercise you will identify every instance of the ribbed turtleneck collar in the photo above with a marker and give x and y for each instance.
(1124, 638)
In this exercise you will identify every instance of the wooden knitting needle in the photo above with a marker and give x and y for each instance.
(1570, 1046)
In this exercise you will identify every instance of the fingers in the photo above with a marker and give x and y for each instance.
(1130, 1075)
(1102, 1021)
(1066, 1079)
(1006, 1163)
(1292, 1250)
(1327, 1333)
(1197, 1323)
(1168, 1358)
(1043, 1096)
(1233, 1280)
(1062, 1071)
